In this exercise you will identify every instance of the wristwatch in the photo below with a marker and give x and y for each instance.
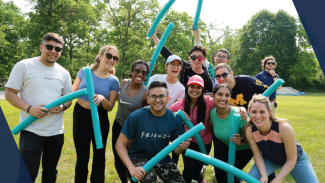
(275, 76)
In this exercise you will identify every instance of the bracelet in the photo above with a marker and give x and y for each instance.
(242, 141)
(29, 108)
(182, 149)
(64, 107)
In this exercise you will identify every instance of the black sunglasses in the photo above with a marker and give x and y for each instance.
(50, 48)
(193, 57)
(270, 63)
(110, 56)
(137, 71)
(224, 75)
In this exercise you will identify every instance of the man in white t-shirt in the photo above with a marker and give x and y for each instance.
(176, 89)
(39, 81)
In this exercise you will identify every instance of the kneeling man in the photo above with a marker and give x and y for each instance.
(152, 128)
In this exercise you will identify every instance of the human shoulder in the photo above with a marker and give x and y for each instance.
(284, 128)
(124, 81)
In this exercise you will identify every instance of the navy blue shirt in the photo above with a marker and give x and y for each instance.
(151, 133)
(244, 89)
(267, 79)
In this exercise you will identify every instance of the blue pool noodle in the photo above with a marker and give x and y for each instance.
(197, 136)
(232, 146)
(197, 14)
(93, 108)
(171, 147)
(159, 17)
(30, 119)
(273, 87)
(221, 165)
(157, 51)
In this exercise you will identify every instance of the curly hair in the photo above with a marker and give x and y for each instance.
(267, 59)
(135, 63)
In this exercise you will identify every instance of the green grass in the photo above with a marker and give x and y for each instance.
(2, 88)
(306, 114)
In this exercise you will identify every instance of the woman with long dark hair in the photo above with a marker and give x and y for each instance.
(274, 145)
(132, 96)
(106, 87)
(197, 106)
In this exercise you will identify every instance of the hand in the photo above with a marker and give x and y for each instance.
(138, 172)
(184, 145)
(38, 111)
(98, 99)
(264, 179)
(154, 33)
(242, 112)
(236, 139)
(56, 110)
(197, 31)
(272, 72)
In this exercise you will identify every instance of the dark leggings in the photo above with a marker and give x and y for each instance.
(242, 159)
(83, 134)
(192, 167)
(121, 169)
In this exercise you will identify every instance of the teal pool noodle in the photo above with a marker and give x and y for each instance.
(273, 87)
(171, 147)
(197, 136)
(30, 119)
(159, 17)
(158, 49)
(93, 108)
(232, 146)
(221, 165)
(197, 14)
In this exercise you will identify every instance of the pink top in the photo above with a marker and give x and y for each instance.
(205, 134)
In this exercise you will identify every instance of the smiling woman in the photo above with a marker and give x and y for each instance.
(132, 96)
(106, 88)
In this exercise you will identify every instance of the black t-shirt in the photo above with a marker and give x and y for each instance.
(187, 72)
(244, 89)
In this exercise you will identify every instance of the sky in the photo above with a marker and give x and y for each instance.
(232, 13)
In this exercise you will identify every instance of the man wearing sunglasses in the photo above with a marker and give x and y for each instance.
(222, 56)
(39, 81)
(176, 89)
(268, 76)
(196, 56)
(152, 128)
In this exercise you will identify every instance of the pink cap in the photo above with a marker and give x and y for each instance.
(196, 79)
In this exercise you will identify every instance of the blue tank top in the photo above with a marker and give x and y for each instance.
(271, 145)
(101, 86)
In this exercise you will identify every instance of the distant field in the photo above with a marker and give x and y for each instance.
(306, 114)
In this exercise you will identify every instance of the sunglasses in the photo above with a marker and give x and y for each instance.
(193, 57)
(50, 48)
(110, 56)
(224, 75)
(270, 63)
(137, 71)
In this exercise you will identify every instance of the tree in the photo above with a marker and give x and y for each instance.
(12, 37)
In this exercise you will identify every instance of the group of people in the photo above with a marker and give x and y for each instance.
(145, 121)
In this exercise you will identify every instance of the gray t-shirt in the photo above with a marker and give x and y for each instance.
(40, 84)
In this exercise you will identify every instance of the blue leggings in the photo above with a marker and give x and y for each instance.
(302, 172)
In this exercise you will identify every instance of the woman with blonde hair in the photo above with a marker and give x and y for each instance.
(274, 145)
(106, 87)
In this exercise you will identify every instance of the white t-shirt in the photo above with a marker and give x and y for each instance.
(40, 84)
(176, 90)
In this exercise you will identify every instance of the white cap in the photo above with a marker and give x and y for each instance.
(173, 57)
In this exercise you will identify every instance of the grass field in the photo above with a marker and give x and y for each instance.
(306, 114)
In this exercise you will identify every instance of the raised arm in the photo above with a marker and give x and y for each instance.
(164, 51)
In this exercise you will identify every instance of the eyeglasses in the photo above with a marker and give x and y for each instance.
(110, 56)
(270, 63)
(50, 48)
(173, 66)
(137, 71)
(224, 75)
(193, 57)
(220, 57)
(161, 97)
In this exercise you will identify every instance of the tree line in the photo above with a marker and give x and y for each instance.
(87, 25)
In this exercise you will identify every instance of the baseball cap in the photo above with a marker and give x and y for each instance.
(173, 57)
(196, 79)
